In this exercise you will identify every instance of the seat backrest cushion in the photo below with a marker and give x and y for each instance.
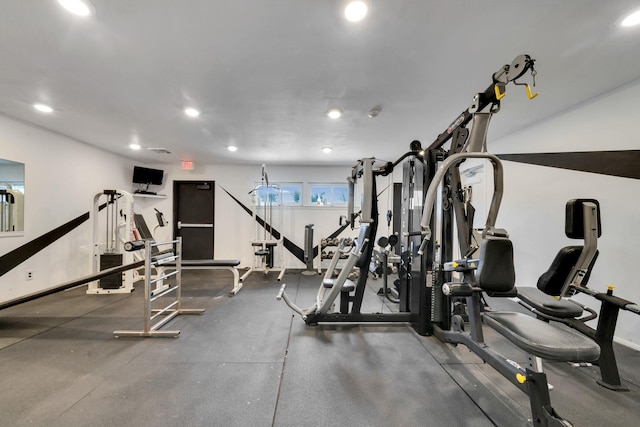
(496, 272)
(143, 230)
(574, 218)
(552, 281)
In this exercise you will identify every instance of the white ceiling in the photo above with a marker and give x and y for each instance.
(264, 72)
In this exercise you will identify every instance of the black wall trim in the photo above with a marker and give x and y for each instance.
(295, 250)
(12, 259)
(622, 163)
(17, 256)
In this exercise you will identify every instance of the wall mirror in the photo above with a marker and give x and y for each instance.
(11, 197)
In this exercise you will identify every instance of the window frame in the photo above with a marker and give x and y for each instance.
(332, 186)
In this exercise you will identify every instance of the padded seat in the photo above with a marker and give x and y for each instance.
(542, 339)
(563, 309)
(348, 285)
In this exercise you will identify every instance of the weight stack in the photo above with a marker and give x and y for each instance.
(112, 281)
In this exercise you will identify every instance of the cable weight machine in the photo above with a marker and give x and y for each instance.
(350, 294)
(455, 280)
(421, 270)
(11, 209)
(418, 304)
(267, 239)
(119, 227)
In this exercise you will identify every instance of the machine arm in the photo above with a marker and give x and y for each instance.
(491, 95)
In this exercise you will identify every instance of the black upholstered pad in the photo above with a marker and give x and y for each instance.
(211, 263)
(552, 280)
(543, 339)
(563, 309)
(496, 272)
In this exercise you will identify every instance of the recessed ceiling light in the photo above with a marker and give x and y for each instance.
(631, 20)
(134, 146)
(232, 148)
(334, 113)
(327, 150)
(355, 10)
(43, 108)
(78, 7)
(191, 112)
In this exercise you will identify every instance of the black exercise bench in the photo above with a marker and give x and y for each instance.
(211, 264)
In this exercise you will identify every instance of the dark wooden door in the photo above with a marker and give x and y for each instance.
(193, 208)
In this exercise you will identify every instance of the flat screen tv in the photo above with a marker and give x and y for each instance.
(147, 176)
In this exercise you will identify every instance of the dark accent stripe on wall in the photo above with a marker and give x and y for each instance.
(17, 256)
(622, 163)
(12, 259)
(295, 250)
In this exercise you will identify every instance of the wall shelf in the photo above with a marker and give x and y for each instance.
(150, 196)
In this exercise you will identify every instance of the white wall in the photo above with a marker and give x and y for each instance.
(63, 175)
(535, 196)
(234, 228)
(61, 178)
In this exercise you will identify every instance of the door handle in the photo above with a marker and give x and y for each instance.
(183, 225)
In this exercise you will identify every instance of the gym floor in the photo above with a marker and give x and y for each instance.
(248, 361)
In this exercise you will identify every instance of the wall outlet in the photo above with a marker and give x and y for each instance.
(29, 275)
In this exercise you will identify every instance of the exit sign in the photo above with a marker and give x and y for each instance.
(187, 165)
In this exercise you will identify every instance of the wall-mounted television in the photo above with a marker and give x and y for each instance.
(147, 176)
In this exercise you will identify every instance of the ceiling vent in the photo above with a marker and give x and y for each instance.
(159, 150)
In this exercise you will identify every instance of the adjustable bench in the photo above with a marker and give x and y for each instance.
(568, 274)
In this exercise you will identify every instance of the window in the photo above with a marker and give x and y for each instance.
(276, 194)
(328, 194)
(267, 195)
(291, 193)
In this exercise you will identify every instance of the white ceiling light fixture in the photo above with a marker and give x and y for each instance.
(191, 112)
(356, 10)
(43, 108)
(631, 19)
(134, 146)
(78, 7)
(334, 113)
(327, 150)
(232, 148)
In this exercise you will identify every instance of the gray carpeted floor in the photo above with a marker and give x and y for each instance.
(248, 361)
